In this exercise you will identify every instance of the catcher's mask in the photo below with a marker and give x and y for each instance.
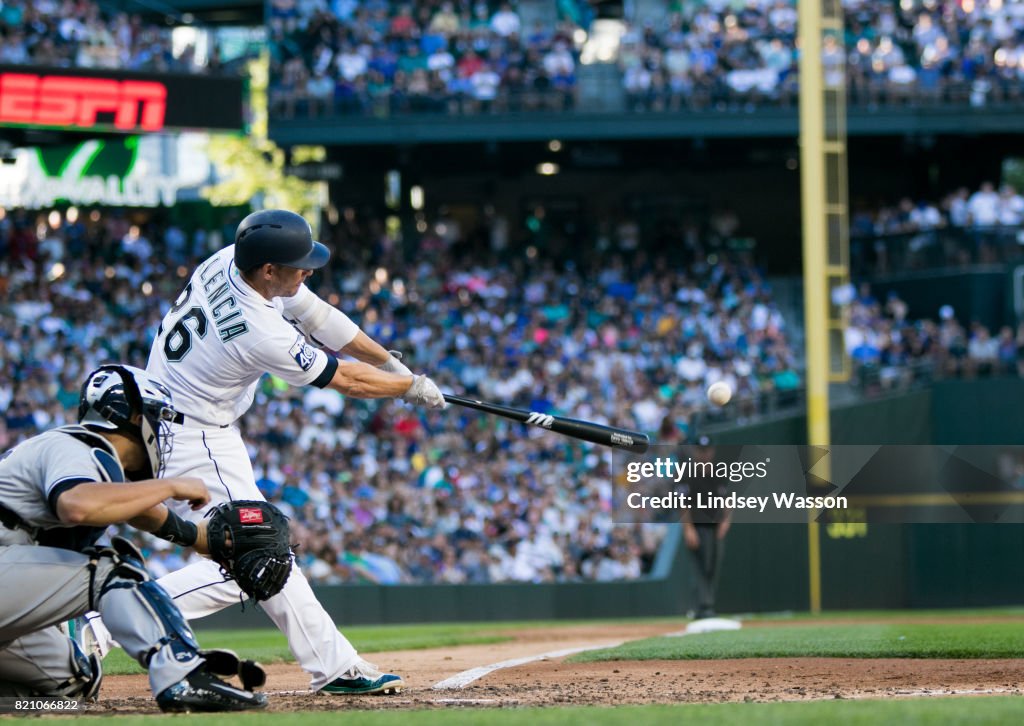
(113, 395)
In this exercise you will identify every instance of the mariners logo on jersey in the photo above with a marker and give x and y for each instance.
(303, 353)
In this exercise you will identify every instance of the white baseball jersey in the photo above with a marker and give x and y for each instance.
(221, 336)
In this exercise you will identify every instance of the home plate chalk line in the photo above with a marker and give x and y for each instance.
(463, 679)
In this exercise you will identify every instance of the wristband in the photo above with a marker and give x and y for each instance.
(177, 530)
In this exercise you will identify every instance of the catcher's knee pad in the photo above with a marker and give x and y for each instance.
(86, 675)
(126, 567)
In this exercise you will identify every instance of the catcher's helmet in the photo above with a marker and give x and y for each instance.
(111, 397)
(280, 237)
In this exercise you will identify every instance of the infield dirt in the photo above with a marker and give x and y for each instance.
(554, 682)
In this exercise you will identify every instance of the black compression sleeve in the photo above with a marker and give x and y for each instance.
(177, 530)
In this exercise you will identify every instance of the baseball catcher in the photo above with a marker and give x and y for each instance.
(249, 540)
(58, 493)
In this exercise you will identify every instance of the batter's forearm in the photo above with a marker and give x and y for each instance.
(361, 380)
(366, 349)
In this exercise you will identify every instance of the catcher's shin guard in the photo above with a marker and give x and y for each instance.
(129, 573)
(142, 617)
(177, 634)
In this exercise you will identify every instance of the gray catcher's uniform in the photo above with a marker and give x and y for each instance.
(54, 572)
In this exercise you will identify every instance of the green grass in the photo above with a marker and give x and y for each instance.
(1002, 612)
(268, 645)
(965, 640)
(926, 712)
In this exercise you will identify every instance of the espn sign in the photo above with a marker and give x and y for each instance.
(119, 101)
(75, 101)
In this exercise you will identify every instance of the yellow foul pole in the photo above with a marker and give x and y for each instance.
(816, 297)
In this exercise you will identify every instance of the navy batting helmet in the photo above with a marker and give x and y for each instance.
(280, 237)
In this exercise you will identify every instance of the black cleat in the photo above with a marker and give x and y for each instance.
(203, 691)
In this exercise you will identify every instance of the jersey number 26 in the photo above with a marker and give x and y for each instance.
(178, 341)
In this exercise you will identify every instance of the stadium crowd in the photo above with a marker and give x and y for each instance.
(86, 34)
(926, 51)
(462, 56)
(382, 492)
(381, 57)
(457, 56)
(889, 349)
(964, 227)
(981, 209)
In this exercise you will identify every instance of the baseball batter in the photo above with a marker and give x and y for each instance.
(245, 312)
(58, 493)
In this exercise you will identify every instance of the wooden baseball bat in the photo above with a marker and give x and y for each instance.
(595, 433)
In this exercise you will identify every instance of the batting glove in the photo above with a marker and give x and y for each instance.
(424, 392)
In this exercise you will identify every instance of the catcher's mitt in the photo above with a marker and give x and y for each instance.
(250, 542)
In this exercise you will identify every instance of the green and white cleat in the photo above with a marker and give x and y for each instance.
(362, 679)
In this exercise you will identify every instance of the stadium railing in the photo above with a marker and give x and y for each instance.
(935, 248)
(716, 95)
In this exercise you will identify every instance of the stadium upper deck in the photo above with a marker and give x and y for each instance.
(441, 70)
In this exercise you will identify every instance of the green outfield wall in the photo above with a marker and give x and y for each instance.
(765, 567)
(980, 294)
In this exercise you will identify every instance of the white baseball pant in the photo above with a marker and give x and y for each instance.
(218, 456)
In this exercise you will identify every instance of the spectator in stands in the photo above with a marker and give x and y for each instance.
(505, 22)
(982, 352)
(924, 216)
(320, 90)
(1007, 352)
(983, 206)
(485, 84)
(445, 22)
(1011, 207)
(958, 209)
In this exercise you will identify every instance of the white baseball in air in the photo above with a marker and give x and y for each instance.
(719, 393)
